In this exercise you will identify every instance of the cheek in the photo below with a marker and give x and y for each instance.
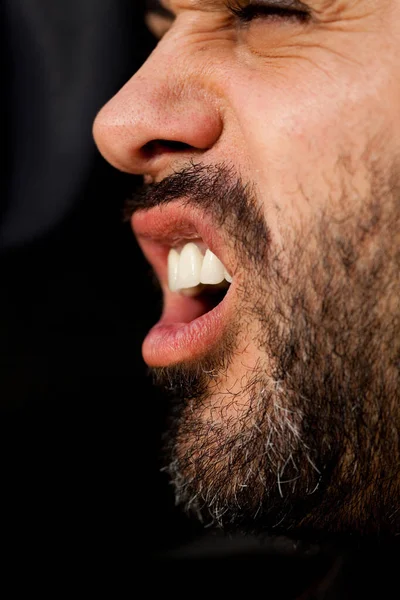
(296, 136)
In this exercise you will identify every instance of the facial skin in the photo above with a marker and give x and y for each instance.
(283, 131)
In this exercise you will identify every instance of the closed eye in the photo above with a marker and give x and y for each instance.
(272, 9)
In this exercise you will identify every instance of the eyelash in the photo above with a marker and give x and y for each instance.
(247, 13)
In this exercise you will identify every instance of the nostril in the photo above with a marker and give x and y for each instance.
(156, 147)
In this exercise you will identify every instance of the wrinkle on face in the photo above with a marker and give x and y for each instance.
(312, 114)
(336, 20)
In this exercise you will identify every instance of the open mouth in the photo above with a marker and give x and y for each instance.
(195, 271)
(194, 268)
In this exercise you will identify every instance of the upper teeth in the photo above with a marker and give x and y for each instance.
(189, 268)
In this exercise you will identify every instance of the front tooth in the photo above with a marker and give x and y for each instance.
(227, 276)
(173, 269)
(212, 270)
(190, 261)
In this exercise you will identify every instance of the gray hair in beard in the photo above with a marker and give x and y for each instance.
(314, 444)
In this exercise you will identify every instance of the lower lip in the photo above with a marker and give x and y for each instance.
(170, 343)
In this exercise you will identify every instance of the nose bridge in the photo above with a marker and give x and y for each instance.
(166, 100)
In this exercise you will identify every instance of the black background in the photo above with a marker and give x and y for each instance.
(80, 422)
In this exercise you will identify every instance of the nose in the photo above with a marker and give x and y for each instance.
(163, 115)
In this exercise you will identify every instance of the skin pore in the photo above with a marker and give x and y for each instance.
(281, 121)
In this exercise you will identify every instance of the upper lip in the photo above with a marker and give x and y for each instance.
(169, 226)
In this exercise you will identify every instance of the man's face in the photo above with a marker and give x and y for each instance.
(268, 132)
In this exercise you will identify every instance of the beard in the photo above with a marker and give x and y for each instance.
(307, 440)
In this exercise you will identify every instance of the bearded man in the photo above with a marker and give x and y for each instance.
(267, 133)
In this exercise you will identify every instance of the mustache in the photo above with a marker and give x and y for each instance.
(219, 191)
(201, 185)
